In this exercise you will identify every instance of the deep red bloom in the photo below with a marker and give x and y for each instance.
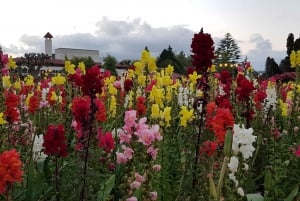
(128, 84)
(106, 141)
(297, 152)
(244, 88)
(10, 169)
(259, 98)
(92, 81)
(203, 51)
(81, 108)
(101, 112)
(208, 147)
(55, 141)
(12, 102)
(140, 105)
(34, 102)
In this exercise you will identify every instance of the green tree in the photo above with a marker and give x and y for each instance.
(271, 67)
(88, 61)
(227, 52)
(110, 64)
(34, 62)
(290, 44)
(167, 57)
(185, 61)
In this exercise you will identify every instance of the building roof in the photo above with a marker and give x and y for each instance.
(48, 35)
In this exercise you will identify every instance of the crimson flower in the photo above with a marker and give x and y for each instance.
(12, 102)
(140, 105)
(203, 51)
(10, 169)
(106, 141)
(34, 103)
(81, 108)
(208, 147)
(101, 112)
(128, 84)
(244, 88)
(55, 141)
(92, 81)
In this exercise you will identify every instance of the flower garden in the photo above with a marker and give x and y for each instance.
(146, 135)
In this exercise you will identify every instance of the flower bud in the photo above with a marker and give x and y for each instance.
(228, 143)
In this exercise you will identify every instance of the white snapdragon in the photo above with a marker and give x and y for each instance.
(271, 98)
(233, 164)
(37, 150)
(242, 141)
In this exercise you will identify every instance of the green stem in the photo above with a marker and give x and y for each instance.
(221, 178)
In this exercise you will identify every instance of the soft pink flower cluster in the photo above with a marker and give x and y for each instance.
(140, 131)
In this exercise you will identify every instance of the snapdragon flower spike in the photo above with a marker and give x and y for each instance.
(10, 169)
(55, 141)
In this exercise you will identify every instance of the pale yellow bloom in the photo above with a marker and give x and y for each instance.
(155, 112)
(17, 84)
(29, 80)
(167, 115)
(142, 80)
(81, 66)
(185, 115)
(2, 119)
(6, 81)
(113, 107)
(11, 63)
(112, 90)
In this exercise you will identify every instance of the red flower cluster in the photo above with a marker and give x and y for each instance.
(140, 105)
(12, 112)
(55, 141)
(106, 141)
(244, 88)
(10, 169)
(208, 147)
(101, 112)
(128, 84)
(218, 120)
(81, 108)
(34, 102)
(203, 51)
(92, 81)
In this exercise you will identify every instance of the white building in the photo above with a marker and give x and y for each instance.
(62, 53)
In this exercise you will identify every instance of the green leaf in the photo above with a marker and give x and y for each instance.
(106, 188)
(292, 194)
(30, 182)
(254, 197)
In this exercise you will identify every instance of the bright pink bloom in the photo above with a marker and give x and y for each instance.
(297, 152)
(133, 198)
(130, 118)
(139, 177)
(156, 167)
(146, 137)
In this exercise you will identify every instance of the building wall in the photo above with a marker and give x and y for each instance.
(48, 46)
(61, 53)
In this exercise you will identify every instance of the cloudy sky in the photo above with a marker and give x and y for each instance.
(123, 28)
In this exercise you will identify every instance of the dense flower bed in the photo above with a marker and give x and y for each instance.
(146, 135)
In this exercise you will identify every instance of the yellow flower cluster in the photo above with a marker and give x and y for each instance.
(69, 68)
(58, 80)
(185, 115)
(295, 58)
(2, 119)
(11, 63)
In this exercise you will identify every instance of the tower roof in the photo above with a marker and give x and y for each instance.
(48, 35)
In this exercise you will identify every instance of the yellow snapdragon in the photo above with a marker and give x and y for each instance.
(11, 63)
(295, 58)
(29, 80)
(58, 80)
(185, 115)
(2, 119)
(6, 81)
(113, 107)
(81, 66)
(69, 68)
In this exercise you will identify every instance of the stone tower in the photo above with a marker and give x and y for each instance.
(48, 44)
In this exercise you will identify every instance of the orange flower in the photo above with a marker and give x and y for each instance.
(10, 169)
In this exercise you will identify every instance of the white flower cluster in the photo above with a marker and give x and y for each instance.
(271, 98)
(37, 150)
(184, 97)
(242, 143)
